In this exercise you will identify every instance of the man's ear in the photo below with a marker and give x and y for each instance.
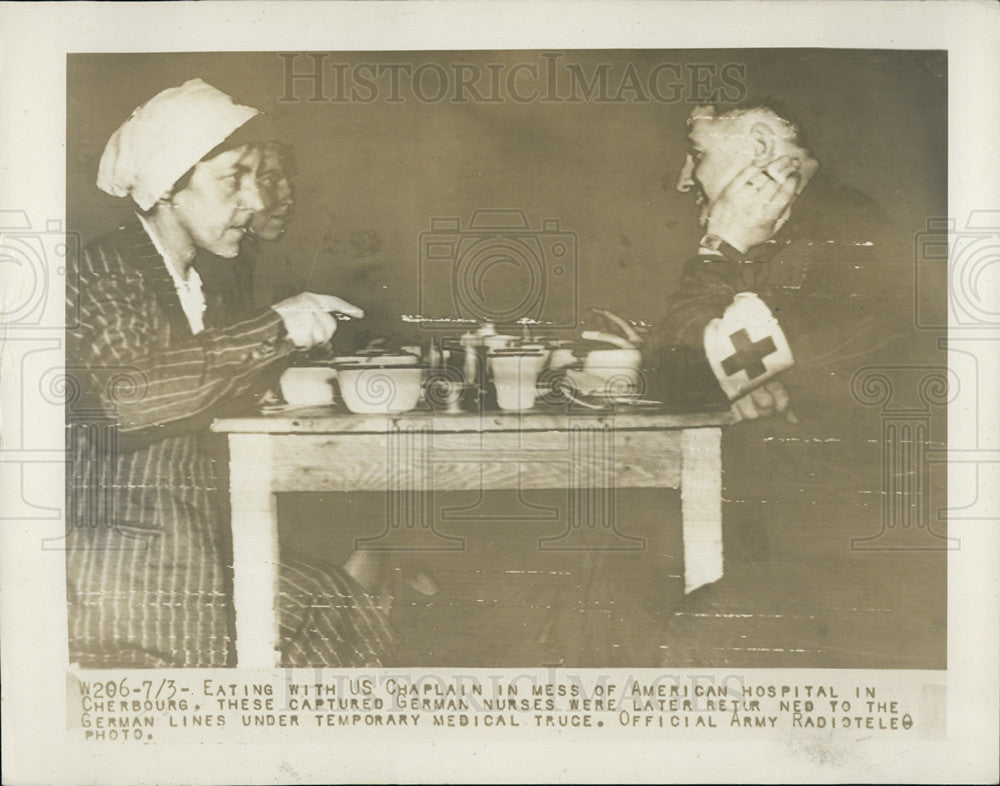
(764, 143)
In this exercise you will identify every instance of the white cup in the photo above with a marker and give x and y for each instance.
(515, 377)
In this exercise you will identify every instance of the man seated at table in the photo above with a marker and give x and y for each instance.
(785, 298)
(776, 228)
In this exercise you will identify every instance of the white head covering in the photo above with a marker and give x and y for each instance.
(165, 137)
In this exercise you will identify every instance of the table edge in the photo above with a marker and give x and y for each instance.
(380, 424)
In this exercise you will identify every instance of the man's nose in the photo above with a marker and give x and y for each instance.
(285, 197)
(685, 182)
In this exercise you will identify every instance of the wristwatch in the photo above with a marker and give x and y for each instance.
(714, 244)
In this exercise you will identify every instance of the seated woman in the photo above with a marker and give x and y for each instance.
(148, 575)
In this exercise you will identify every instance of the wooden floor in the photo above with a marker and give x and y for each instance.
(795, 593)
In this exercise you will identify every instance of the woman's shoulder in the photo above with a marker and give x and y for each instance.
(116, 253)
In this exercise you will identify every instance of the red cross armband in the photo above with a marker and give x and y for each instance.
(747, 346)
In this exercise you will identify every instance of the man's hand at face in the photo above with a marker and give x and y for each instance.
(309, 319)
(752, 207)
(764, 402)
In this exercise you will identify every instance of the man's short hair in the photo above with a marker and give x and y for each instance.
(768, 105)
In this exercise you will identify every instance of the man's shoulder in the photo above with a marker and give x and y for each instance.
(830, 209)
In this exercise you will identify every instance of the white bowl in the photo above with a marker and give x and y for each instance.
(373, 390)
(308, 386)
(618, 369)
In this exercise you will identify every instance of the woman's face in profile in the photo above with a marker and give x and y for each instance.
(274, 180)
(219, 200)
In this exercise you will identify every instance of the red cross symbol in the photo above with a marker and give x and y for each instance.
(749, 354)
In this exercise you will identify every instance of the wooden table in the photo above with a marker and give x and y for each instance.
(410, 456)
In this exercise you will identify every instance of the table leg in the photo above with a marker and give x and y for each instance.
(701, 506)
(255, 550)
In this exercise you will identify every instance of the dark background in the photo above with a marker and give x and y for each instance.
(370, 179)
(606, 171)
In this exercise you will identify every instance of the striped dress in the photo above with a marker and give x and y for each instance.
(148, 555)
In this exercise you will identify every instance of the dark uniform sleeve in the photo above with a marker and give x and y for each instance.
(677, 371)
